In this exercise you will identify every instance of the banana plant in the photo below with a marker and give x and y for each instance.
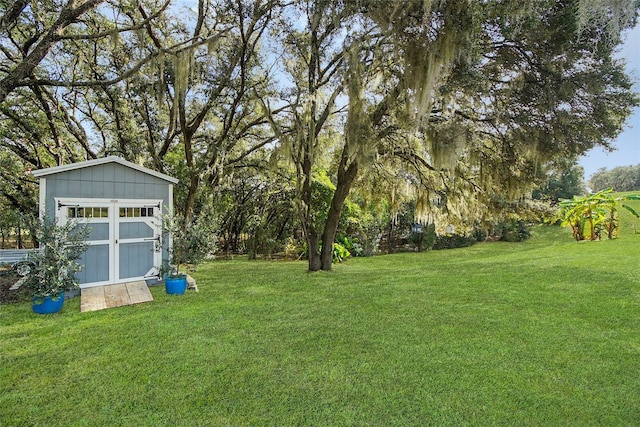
(632, 211)
(597, 210)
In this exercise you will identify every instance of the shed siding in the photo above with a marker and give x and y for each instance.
(107, 181)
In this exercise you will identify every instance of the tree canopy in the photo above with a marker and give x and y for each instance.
(452, 105)
(622, 178)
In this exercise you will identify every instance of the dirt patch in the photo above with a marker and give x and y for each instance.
(7, 279)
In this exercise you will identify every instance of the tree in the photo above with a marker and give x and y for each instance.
(30, 31)
(42, 56)
(563, 182)
(622, 178)
(210, 101)
(136, 81)
(467, 101)
(313, 61)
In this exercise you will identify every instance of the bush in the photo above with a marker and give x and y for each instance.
(55, 267)
(453, 241)
(514, 230)
(340, 253)
(480, 234)
(352, 245)
(191, 242)
(428, 237)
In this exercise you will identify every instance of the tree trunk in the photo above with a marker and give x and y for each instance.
(346, 176)
(315, 262)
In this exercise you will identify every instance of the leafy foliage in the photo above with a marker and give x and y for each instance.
(594, 214)
(563, 182)
(623, 178)
(632, 210)
(55, 266)
(192, 240)
(513, 230)
(340, 253)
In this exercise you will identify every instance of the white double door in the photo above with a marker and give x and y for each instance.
(125, 243)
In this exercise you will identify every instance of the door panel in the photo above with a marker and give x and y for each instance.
(96, 262)
(136, 259)
(138, 231)
(124, 243)
(99, 231)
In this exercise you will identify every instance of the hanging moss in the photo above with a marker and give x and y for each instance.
(161, 86)
(610, 15)
(358, 126)
(183, 61)
(446, 143)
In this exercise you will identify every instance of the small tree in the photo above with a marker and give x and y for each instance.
(192, 240)
(55, 267)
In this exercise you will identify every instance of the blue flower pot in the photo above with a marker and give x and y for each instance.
(176, 285)
(47, 305)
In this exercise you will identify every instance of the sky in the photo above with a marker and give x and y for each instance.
(627, 144)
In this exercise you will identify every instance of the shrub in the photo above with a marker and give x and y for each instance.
(55, 266)
(480, 234)
(352, 245)
(340, 253)
(513, 230)
(453, 241)
(192, 241)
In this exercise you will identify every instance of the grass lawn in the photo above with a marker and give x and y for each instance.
(545, 332)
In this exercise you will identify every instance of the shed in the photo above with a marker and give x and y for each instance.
(123, 204)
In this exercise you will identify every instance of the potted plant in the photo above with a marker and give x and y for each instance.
(54, 263)
(191, 242)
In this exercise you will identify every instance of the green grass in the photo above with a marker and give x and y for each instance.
(544, 332)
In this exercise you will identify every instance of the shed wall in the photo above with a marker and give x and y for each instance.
(107, 181)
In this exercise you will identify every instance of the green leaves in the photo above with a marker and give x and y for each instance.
(598, 211)
(55, 261)
(192, 240)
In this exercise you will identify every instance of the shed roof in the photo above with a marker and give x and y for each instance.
(102, 161)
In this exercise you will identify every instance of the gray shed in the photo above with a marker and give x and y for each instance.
(123, 204)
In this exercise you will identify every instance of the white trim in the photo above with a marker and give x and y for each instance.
(100, 161)
(114, 220)
(42, 197)
(170, 215)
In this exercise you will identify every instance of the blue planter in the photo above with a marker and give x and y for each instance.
(47, 305)
(176, 285)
